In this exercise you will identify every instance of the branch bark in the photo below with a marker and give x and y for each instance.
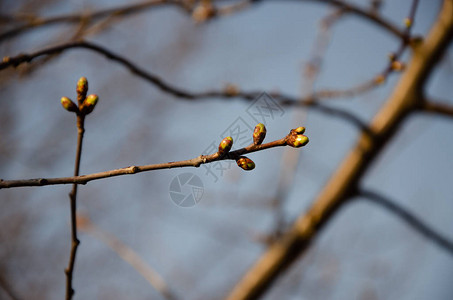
(195, 162)
(405, 98)
(438, 108)
(73, 199)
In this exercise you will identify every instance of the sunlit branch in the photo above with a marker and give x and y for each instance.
(405, 98)
(195, 162)
(438, 108)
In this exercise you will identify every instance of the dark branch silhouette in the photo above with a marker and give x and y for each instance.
(185, 94)
(409, 218)
(35, 22)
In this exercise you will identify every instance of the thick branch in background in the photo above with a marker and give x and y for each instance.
(405, 98)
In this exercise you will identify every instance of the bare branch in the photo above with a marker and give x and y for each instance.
(34, 22)
(410, 219)
(181, 93)
(405, 98)
(438, 108)
(73, 199)
(195, 162)
(128, 255)
(7, 289)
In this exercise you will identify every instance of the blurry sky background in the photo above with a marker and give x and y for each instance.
(201, 252)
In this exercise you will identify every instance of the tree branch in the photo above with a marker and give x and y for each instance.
(184, 94)
(410, 219)
(195, 162)
(128, 255)
(437, 108)
(35, 22)
(405, 98)
(73, 198)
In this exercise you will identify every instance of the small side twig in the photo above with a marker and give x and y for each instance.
(410, 219)
(128, 255)
(73, 198)
(438, 108)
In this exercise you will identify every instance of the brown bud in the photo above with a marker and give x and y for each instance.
(68, 104)
(259, 134)
(231, 89)
(398, 66)
(203, 12)
(89, 104)
(225, 145)
(245, 163)
(379, 79)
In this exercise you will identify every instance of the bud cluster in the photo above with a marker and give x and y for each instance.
(296, 138)
(86, 103)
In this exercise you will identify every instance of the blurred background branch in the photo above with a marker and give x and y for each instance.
(410, 219)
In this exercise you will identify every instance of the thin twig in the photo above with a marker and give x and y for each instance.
(438, 108)
(73, 198)
(394, 65)
(36, 22)
(195, 162)
(128, 255)
(410, 219)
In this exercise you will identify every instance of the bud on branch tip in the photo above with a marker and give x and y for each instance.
(89, 103)
(82, 87)
(259, 134)
(296, 138)
(68, 104)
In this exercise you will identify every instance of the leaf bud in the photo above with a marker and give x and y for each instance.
(225, 145)
(259, 134)
(245, 163)
(68, 104)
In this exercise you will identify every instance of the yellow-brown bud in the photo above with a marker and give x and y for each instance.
(225, 145)
(245, 163)
(82, 89)
(68, 104)
(259, 134)
(398, 66)
(89, 103)
(297, 141)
